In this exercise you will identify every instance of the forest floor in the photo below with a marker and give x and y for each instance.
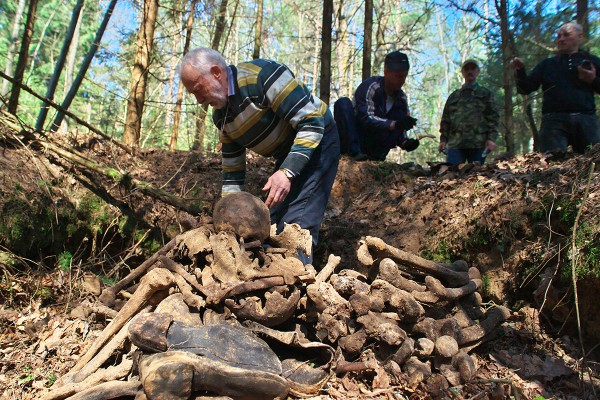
(512, 218)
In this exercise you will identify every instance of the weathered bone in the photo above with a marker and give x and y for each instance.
(382, 328)
(111, 373)
(437, 288)
(109, 390)
(332, 262)
(178, 269)
(402, 302)
(450, 276)
(155, 280)
(276, 311)
(104, 354)
(245, 287)
(349, 285)
(389, 271)
(494, 317)
(109, 295)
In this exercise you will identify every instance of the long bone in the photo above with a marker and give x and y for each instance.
(443, 271)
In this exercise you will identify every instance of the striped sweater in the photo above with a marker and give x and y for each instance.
(271, 113)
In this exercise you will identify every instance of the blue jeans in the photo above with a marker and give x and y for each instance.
(306, 202)
(343, 113)
(560, 130)
(457, 156)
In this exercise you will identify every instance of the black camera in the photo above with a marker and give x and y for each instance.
(586, 64)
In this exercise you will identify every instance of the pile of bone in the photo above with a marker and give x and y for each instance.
(230, 310)
(417, 315)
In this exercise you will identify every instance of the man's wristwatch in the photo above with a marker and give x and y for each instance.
(287, 173)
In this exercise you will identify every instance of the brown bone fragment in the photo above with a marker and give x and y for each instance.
(109, 295)
(332, 262)
(389, 271)
(276, 311)
(451, 277)
(152, 282)
(494, 317)
(353, 343)
(402, 302)
(111, 373)
(436, 287)
(416, 371)
(446, 346)
(348, 285)
(381, 328)
(109, 390)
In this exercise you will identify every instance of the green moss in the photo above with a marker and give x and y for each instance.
(587, 251)
(441, 253)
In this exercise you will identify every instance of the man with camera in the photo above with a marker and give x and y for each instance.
(379, 118)
(569, 81)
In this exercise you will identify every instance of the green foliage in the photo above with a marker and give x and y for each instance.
(478, 237)
(485, 284)
(382, 170)
(95, 213)
(107, 281)
(567, 210)
(441, 253)
(587, 248)
(64, 261)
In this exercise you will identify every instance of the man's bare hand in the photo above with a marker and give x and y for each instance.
(517, 63)
(278, 187)
(586, 75)
(441, 147)
(490, 145)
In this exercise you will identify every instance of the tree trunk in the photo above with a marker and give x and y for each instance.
(506, 77)
(12, 45)
(186, 48)
(531, 122)
(216, 42)
(84, 66)
(367, 40)
(258, 29)
(325, 77)
(59, 66)
(139, 76)
(13, 102)
(582, 18)
(70, 68)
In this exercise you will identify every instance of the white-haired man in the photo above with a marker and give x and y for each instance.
(260, 105)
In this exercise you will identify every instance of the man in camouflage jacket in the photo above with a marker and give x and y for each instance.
(469, 125)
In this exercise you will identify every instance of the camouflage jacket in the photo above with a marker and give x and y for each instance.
(469, 118)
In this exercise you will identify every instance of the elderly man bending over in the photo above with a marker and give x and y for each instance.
(260, 105)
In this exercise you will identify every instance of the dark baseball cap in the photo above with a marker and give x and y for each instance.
(396, 61)
(470, 61)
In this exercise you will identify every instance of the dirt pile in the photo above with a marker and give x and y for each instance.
(513, 219)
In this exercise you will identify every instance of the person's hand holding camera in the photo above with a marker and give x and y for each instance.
(586, 71)
(405, 123)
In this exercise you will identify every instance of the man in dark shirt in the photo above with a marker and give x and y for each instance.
(379, 118)
(569, 81)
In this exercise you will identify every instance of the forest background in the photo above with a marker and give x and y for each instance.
(131, 90)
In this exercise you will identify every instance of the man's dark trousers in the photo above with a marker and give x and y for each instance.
(343, 113)
(306, 202)
(559, 130)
